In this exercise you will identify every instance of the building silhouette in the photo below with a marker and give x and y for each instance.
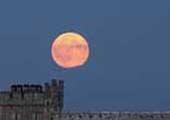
(37, 102)
(32, 102)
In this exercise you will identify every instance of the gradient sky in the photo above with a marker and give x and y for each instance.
(129, 64)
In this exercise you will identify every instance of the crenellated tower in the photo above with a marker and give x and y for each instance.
(32, 102)
(54, 93)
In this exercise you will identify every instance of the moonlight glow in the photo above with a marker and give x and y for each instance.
(70, 50)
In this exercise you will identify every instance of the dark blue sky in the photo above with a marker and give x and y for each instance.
(129, 64)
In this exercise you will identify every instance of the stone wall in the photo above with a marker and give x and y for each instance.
(115, 116)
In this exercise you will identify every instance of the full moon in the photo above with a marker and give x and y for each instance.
(70, 50)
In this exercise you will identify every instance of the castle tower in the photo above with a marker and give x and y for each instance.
(32, 102)
(55, 95)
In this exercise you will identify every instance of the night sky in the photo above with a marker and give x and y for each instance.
(129, 63)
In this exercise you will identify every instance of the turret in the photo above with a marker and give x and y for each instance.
(55, 94)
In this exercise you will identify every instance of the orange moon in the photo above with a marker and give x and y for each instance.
(70, 50)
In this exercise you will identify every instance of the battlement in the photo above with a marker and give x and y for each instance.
(26, 88)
